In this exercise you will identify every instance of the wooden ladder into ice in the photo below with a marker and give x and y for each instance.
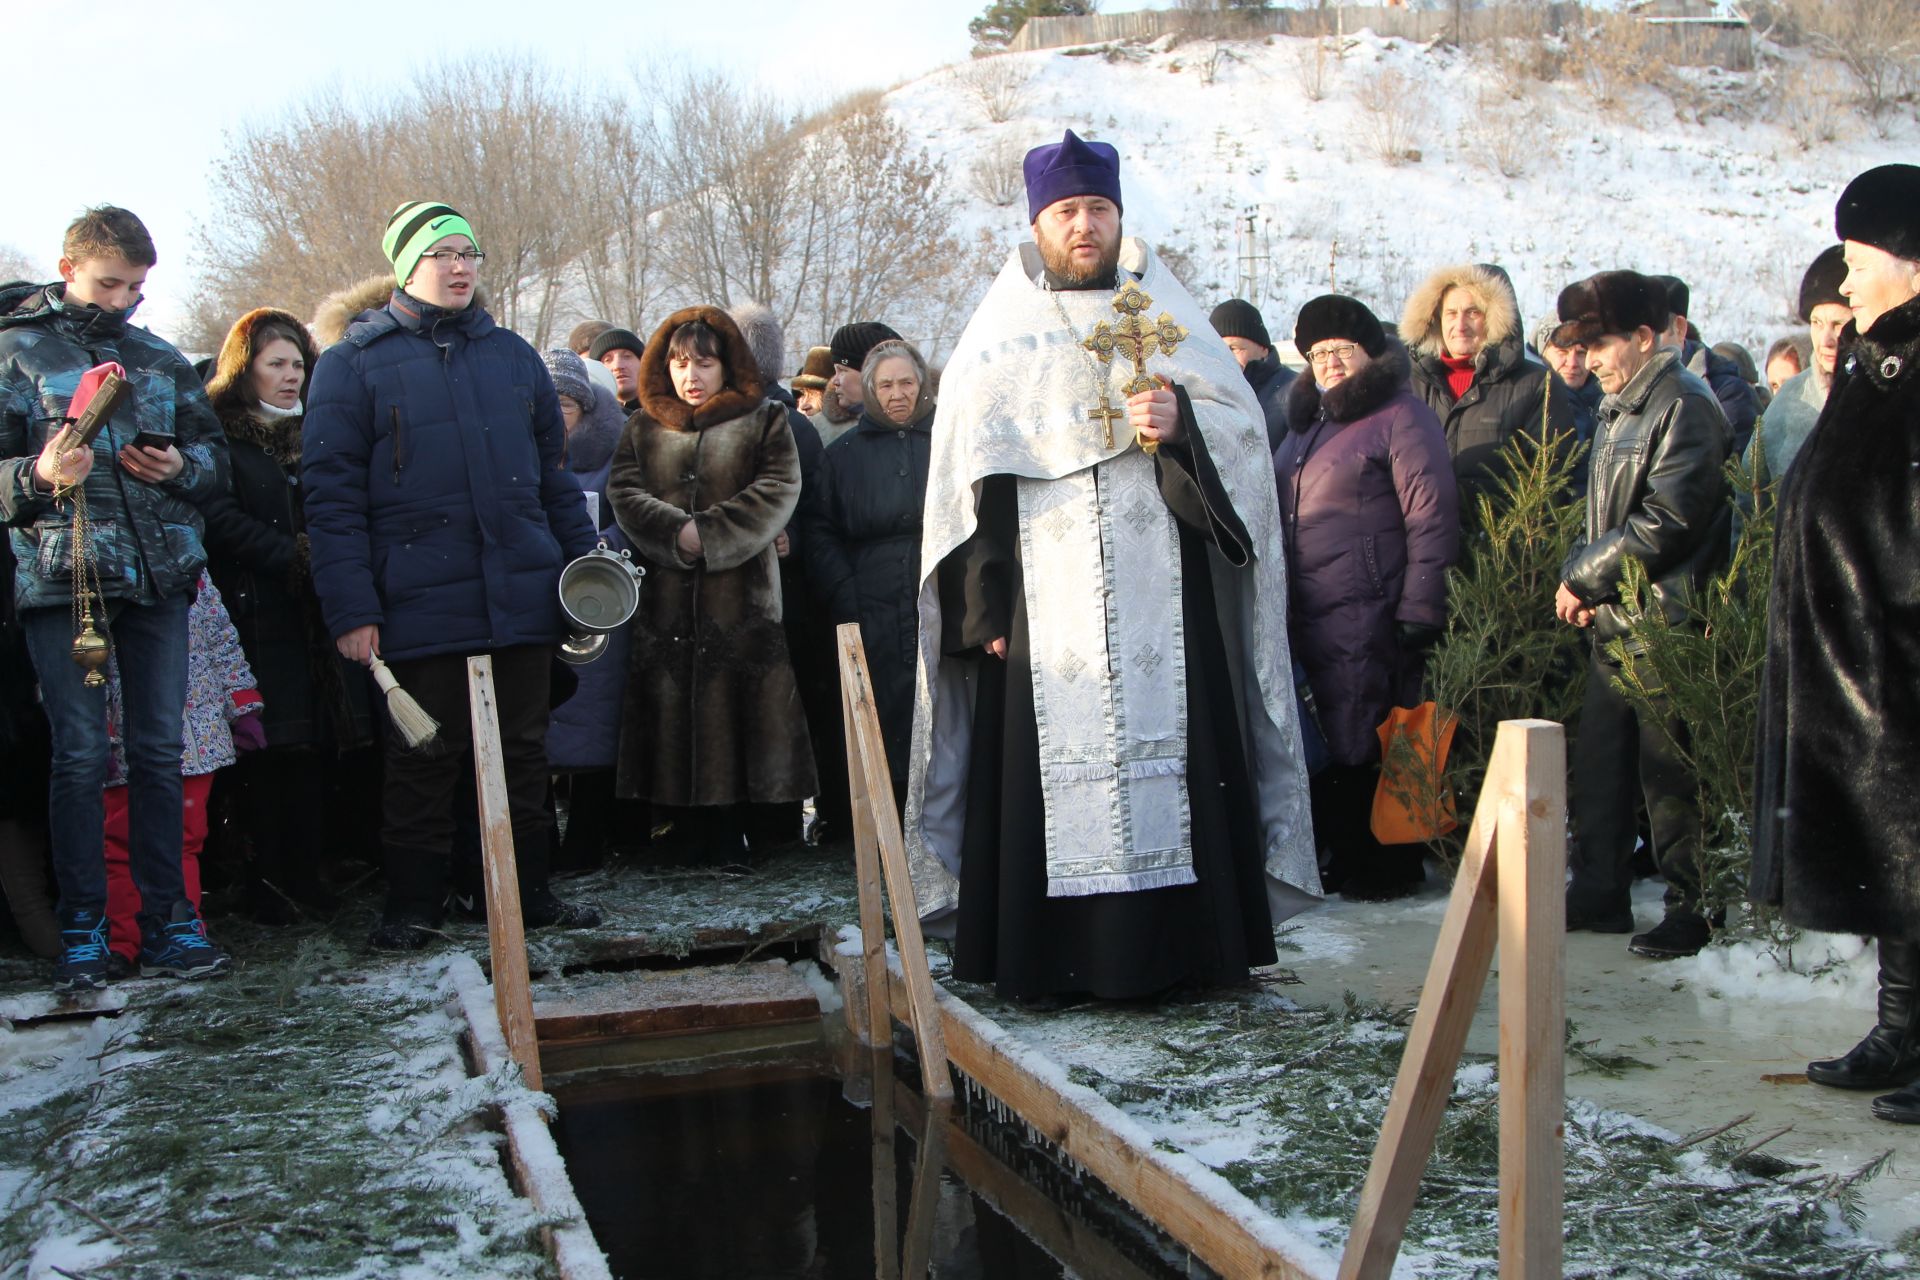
(880, 856)
(1517, 843)
(1510, 890)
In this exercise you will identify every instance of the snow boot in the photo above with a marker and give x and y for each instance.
(82, 962)
(1890, 1055)
(180, 948)
(1681, 934)
(1901, 1106)
(1581, 917)
(542, 908)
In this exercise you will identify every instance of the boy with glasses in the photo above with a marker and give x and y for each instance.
(440, 517)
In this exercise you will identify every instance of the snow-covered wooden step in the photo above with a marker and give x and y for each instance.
(676, 1002)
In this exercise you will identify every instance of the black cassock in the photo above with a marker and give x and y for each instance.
(1112, 945)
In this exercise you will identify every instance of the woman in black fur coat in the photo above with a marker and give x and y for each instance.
(1837, 829)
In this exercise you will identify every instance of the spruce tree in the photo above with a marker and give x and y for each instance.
(999, 22)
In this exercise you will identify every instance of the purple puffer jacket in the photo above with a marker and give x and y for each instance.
(1372, 520)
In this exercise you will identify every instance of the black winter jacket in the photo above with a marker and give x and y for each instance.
(1730, 388)
(1503, 399)
(312, 696)
(862, 535)
(1270, 380)
(1656, 492)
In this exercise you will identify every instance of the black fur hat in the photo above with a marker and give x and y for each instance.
(1335, 315)
(1881, 207)
(1822, 281)
(1610, 302)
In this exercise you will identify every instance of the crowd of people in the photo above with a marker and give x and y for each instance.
(399, 485)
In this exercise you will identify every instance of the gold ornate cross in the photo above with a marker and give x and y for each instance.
(1106, 415)
(1134, 338)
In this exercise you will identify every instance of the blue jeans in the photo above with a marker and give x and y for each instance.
(150, 649)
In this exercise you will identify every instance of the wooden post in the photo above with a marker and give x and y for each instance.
(1517, 840)
(886, 1195)
(506, 935)
(876, 823)
(929, 1161)
(866, 860)
(1532, 846)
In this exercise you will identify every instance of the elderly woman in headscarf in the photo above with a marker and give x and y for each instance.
(583, 735)
(862, 537)
(1837, 817)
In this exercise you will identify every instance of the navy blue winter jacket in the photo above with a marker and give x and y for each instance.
(437, 506)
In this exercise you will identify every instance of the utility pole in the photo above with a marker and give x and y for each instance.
(1248, 285)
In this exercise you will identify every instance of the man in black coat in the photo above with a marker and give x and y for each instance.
(1239, 322)
(1656, 494)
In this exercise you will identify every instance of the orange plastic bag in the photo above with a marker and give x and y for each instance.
(1413, 802)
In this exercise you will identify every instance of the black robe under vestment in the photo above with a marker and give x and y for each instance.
(1110, 945)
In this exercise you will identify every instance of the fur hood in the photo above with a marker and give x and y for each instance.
(1385, 377)
(1420, 322)
(742, 394)
(339, 309)
(225, 385)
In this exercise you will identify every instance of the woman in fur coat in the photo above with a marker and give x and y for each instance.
(1371, 520)
(703, 481)
(1837, 815)
(317, 705)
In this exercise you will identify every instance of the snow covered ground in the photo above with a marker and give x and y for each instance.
(1730, 203)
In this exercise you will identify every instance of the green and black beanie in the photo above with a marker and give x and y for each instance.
(412, 230)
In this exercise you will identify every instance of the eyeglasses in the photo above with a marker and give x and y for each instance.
(1341, 351)
(447, 257)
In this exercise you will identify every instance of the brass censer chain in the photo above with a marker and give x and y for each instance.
(89, 646)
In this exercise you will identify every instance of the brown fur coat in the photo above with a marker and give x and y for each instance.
(712, 712)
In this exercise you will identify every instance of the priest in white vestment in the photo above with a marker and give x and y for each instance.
(1107, 794)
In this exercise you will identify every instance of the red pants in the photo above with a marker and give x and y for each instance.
(123, 900)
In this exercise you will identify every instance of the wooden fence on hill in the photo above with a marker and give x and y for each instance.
(1681, 34)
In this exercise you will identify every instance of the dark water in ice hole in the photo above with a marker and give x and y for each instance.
(766, 1179)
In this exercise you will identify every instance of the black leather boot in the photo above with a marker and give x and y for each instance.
(1901, 1107)
(1890, 1055)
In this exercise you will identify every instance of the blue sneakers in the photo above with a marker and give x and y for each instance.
(82, 965)
(181, 949)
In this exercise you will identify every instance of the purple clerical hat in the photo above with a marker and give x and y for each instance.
(1070, 168)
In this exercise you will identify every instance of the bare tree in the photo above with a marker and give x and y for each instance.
(1394, 109)
(1875, 40)
(995, 174)
(1000, 84)
(16, 264)
(300, 202)
(626, 179)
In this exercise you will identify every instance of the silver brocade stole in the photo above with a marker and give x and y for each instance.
(1109, 677)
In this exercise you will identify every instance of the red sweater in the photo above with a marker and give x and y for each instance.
(1459, 374)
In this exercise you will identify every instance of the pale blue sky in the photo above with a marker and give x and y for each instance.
(125, 101)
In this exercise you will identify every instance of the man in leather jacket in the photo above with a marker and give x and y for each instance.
(1657, 493)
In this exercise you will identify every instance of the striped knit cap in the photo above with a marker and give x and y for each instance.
(412, 230)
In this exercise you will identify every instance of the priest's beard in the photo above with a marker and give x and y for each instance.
(1057, 257)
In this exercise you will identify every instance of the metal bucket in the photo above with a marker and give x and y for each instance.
(599, 593)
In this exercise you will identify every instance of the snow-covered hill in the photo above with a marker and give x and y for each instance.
(1732, 204)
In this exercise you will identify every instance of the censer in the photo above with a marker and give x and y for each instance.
(100, 392)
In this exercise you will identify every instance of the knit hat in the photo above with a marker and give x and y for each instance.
(570, 376)
(1821, 284)
(1070, 168)
(413, 229)
(1679, 297)
(1543, 334)
(1238, 318)
(1335, 315)
(851, 342)
(616, 340)
(1881, 208)
(1610, 302)
(818, 368)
